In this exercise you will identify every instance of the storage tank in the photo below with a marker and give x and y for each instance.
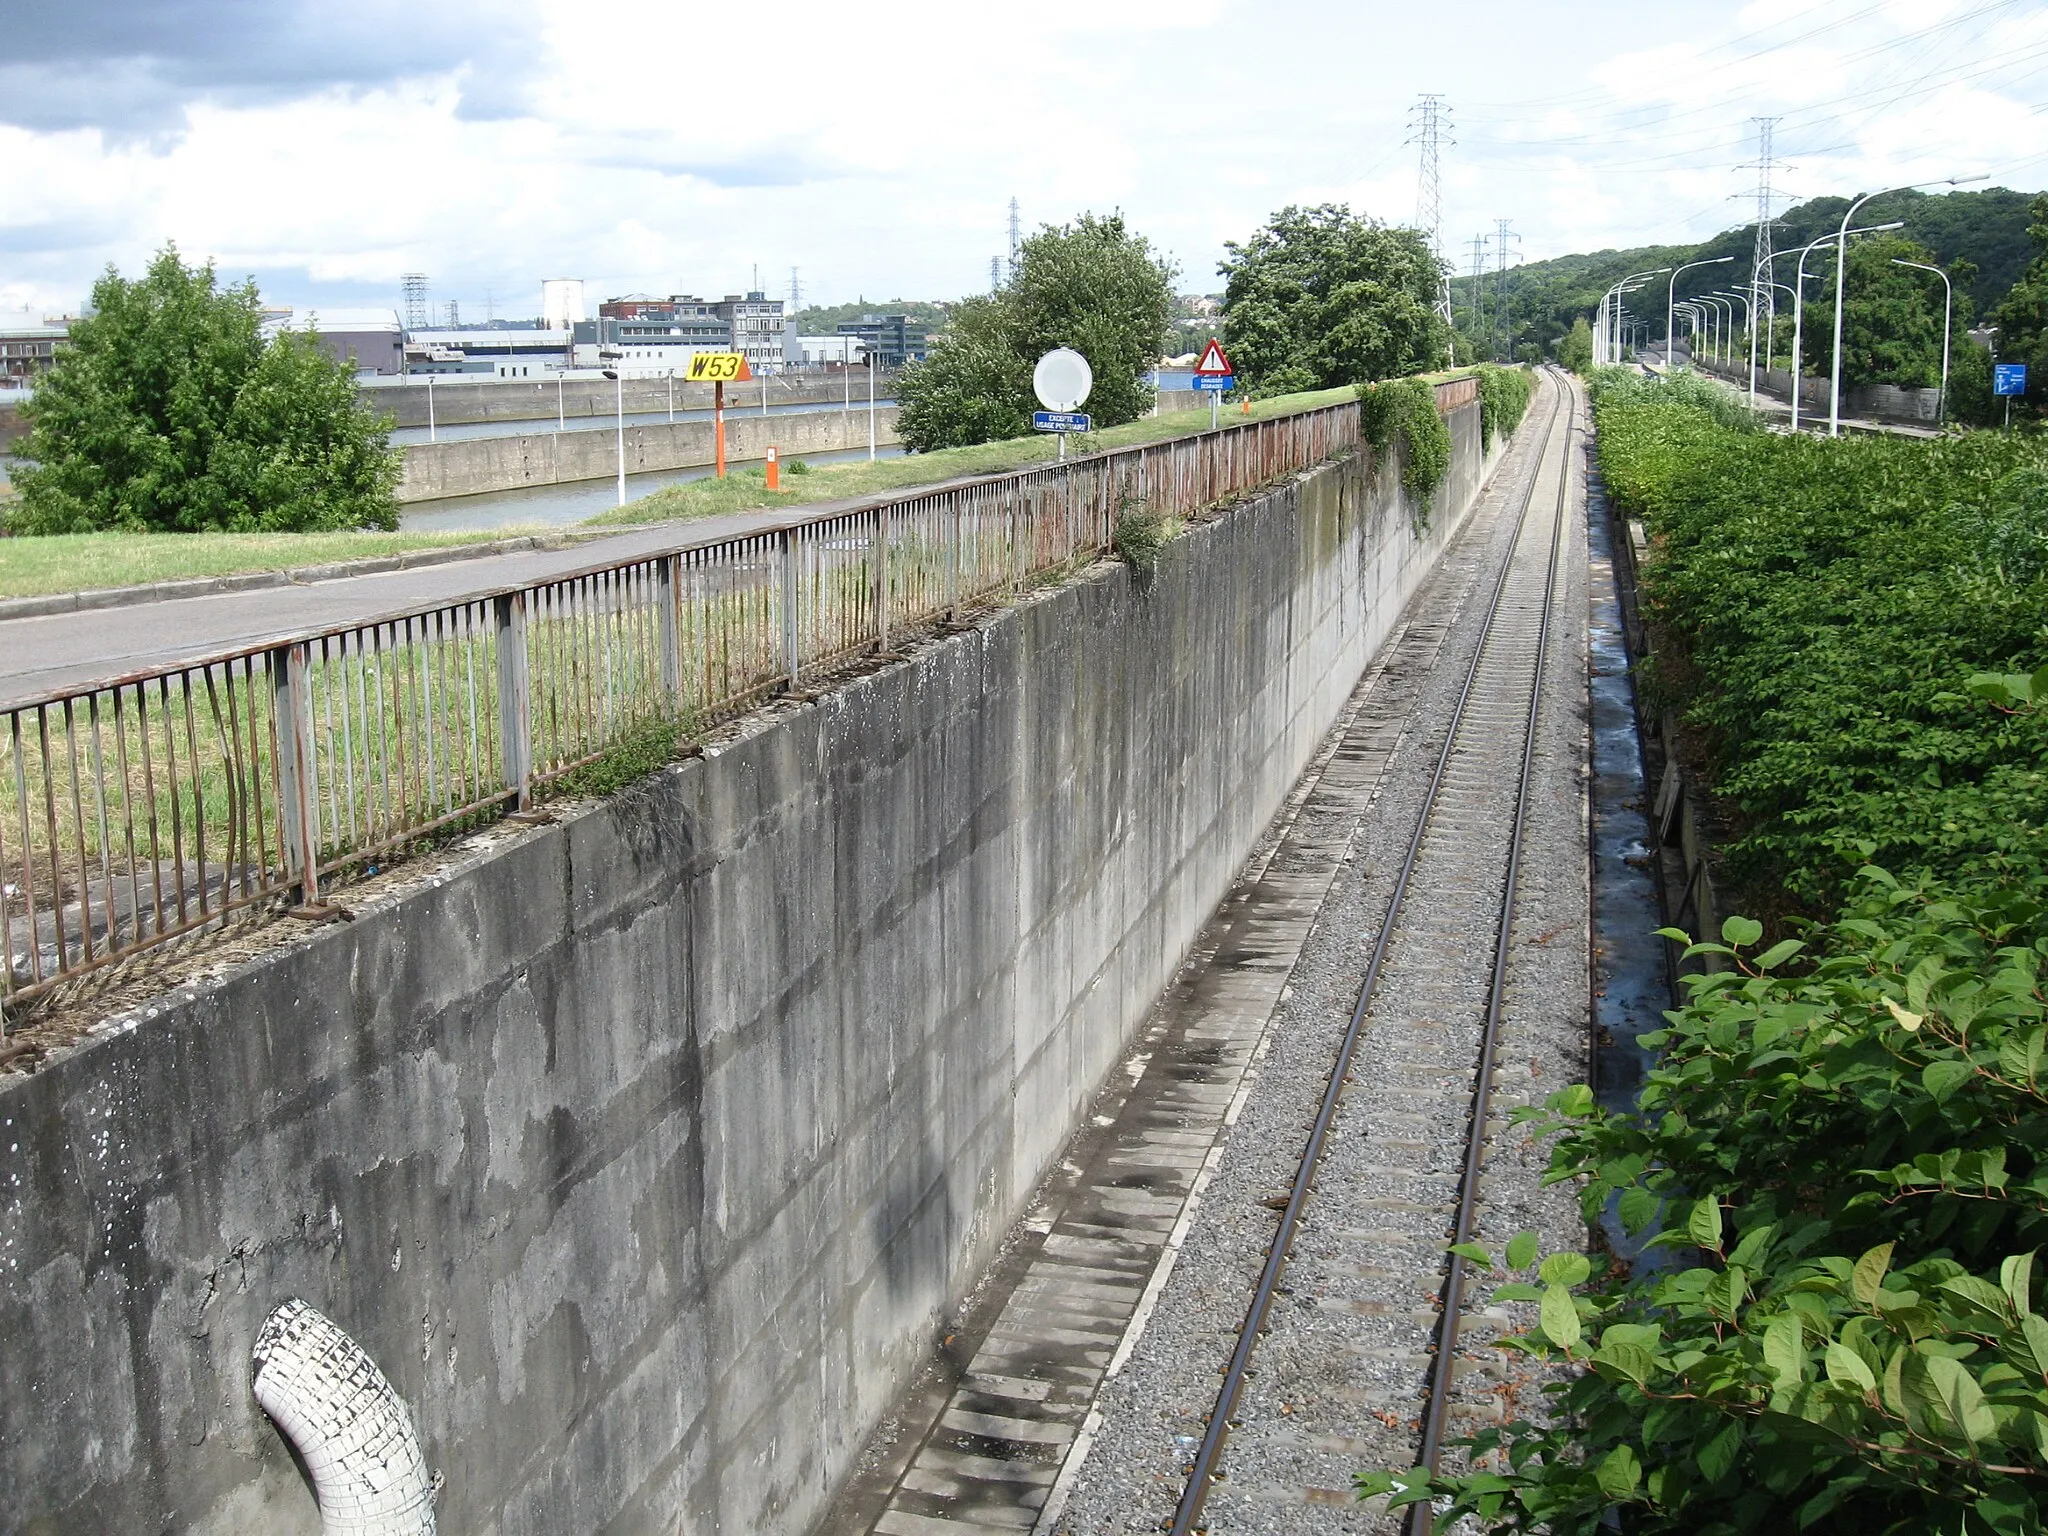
(561, 302)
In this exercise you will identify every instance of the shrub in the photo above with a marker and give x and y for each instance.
(1503, 401)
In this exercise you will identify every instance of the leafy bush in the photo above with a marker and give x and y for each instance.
(1848, 1158)
(1406, 408)
(1503, 400)
(1319, 298)
(167, 411)
(1092, 285)
(1825, 605)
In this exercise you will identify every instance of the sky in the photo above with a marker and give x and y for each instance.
(326, 148)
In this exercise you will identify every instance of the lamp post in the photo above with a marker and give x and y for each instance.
(1948, 306)
(1799, 304)
(1714, 303)
(1611, 305)
(1842, 283)
(871, 403)
(1671, 293)
(430, 408)
(618, 378)
(1734, 297)
(1695, 314)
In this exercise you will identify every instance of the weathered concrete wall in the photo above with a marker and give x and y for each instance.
(645, 1153)
(458, 400)
(548, 458)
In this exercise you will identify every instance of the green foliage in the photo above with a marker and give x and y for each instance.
(1575, 347)
(974, 387)
(1141, 532)
(1891, 320)
(1405, 409)
(825, 319)
(1826, 603)
(1980, 234)
(1846, 1155)
(2022, 319)
(1503, 400)
(1091, 285)
(168, 412)
(1319, 298)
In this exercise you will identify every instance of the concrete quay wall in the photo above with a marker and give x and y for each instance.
(646, 1151)
(459, 401)
(478, 464)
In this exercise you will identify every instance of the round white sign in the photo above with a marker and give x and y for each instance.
(1062, 379)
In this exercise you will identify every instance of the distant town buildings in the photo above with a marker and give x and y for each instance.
(666, 332)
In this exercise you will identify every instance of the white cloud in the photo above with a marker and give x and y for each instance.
(654, 147)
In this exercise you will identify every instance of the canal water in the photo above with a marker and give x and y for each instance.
(406, 437)
(557, 506)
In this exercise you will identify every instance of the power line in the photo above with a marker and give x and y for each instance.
(1016, 239)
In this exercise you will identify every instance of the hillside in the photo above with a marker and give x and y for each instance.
(1988, 228)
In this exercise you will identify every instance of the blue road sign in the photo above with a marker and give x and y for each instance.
(2008, 378)
(1062, 421)
(1215, 380)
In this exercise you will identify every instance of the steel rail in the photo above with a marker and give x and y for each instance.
(1437, 1410)
(1205, 1472)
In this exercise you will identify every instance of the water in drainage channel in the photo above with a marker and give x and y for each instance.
(1632, 984)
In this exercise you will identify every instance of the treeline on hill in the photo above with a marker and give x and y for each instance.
(1318, 298)
(1844, 1145)
(1982, 238)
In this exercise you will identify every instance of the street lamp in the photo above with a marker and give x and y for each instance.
(1614, 293)
(1799, 303)
(1842, 283)
(1722, 326)
(1948, 305)
(1671, 294)
(618, 377)
(1696, 314)
(1735, 296)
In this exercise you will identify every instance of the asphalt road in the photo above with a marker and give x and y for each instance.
(74, 652)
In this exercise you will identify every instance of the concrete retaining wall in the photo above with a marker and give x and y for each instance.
(461, 400)
(549, 458)
(1880, 402)
(646, 1152)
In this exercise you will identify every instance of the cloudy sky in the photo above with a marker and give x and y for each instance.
(327, 147)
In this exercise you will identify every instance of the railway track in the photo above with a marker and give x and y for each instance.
(1011, 1429)
(1406, 1111)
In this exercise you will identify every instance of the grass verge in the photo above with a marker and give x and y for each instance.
(747, 490)
(77, 562)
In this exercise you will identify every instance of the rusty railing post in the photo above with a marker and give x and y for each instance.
(668, 581)
(515, 699)
(878, 558)
(297, 795)
(791, 656)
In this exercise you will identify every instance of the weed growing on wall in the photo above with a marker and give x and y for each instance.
(1141, 532)
(1406, 408)
(1503, 401)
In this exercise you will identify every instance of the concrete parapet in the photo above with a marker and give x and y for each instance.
(646, 1151)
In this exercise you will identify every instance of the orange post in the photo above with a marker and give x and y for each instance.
(774, 470)
(718, 422)
(1247, 405)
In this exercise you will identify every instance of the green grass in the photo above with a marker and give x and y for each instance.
(76, 562)
(747, 490)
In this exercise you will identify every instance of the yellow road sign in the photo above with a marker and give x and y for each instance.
(718, 367)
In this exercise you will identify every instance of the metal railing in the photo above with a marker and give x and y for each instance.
(243, 783)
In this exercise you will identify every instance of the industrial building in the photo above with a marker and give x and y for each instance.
(652, 331)
(26, 350)
(368, 340)
(892, 340)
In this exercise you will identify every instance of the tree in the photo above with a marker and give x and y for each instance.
(1319, 298)
(1575, 347)
(1091, 285)
(167, 411)
(1891, 319)
(2022, 319)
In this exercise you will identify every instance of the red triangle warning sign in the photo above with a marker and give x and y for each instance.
(1213, 362)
